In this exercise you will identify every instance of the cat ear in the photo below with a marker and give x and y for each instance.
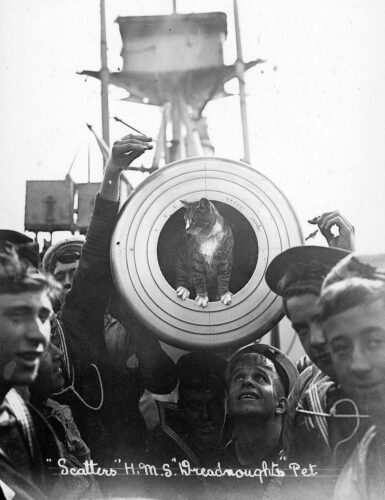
(204, 203)
(186, 204)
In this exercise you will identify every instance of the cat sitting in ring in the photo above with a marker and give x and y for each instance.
(205, 259)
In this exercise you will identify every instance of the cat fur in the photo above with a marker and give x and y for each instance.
(205, 261)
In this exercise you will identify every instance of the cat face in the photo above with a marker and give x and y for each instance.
(200, 216)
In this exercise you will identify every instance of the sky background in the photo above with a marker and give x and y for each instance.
(316, 108)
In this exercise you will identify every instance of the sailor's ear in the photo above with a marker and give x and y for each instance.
(281, 407)
(204, 203)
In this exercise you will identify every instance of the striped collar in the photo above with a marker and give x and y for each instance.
(163, 406)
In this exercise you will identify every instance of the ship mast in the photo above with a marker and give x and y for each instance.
(240, 66)
(104, 75)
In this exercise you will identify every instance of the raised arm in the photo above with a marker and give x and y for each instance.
(83, 310)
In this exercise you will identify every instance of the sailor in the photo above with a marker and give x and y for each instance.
(192, 428)
(97, 389)
(259, 378)
(26, 440)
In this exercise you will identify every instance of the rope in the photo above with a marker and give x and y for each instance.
(333, 411)
(72, 387)
(74, 158)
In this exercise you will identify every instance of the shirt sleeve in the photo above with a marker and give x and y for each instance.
(82, 313)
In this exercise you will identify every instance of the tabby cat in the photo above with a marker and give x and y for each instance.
(205, 260)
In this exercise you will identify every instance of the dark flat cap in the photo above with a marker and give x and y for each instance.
(14, 237)
(201, 370)
(25, 246)
(318, 259)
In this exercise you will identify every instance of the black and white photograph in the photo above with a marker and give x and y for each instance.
(192, 250)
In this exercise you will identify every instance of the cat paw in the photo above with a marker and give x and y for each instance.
(226, 298)
(182, 292)
(202, 300)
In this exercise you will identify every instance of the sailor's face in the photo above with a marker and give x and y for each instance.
(64, 273)
(302, 312)
(205, 413)
(50, 377)
(24, 334)
(253, 388)
(357, 343)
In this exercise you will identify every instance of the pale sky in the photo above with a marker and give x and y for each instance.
(316, 108)
(317, 123)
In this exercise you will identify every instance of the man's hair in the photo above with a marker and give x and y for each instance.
(347, 294)
(259, 359)
(369, 266)
(247, 357)
(66, 256)
(16, 276)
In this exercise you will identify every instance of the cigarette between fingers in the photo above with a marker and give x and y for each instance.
(311, 235)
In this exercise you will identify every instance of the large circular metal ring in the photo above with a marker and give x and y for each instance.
(143, 251)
